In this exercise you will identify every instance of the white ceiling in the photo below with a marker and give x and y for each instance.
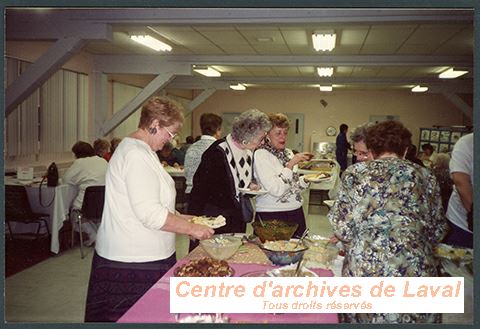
(265, 48)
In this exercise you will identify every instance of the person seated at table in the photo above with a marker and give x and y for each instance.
(88, 169)
(170, 156)
(113, 145)
(136, 239)
(101, 147)
(388, 214)
(274, 172)
(428, 156)
(441, 171)
(188, 142)
(412, 155)
(226, 166)
(211, 127)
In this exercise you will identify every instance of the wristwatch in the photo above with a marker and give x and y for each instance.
(331, 131)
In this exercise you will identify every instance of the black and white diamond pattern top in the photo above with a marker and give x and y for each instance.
(240, 163)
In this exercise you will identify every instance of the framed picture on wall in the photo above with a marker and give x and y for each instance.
(425, 134)
(434, 135)
(435, 146)
(444, 148)
(455, 136)
(445, 136)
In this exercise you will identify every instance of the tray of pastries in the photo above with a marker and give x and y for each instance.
(204, 267)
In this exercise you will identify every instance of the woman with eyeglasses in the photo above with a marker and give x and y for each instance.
(275, 172)
(135, 243)
(225, 168)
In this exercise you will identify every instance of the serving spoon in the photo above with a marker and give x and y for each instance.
(302, 237)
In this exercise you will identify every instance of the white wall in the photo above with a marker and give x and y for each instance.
(350, 107)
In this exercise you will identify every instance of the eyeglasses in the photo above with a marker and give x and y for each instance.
(361, 154)
(172, 135)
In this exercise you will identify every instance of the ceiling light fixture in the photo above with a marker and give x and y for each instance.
(324, 41)
(451, 74)
(151, 42)
(326, 88)
(419, 89)
(325, 71)
(238, 86)
(206, 71)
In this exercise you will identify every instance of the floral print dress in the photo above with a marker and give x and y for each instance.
(388, 213)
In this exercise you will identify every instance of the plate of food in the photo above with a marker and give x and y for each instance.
(213, 222)
(454, 253)
(289, 271)
(251, 192)
(204, 267)
(317, 177)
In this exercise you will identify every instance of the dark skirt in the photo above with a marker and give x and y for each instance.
(293, 216)
(115, 286)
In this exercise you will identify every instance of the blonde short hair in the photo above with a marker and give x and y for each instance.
(163, 109)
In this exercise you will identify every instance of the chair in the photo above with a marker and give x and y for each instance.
(18, 209)
(92, 209)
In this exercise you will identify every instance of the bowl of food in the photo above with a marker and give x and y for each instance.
(317, 241)
(221, 246)
(284, 252)
(273, 230)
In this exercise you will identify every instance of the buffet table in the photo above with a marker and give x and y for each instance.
(154, 306)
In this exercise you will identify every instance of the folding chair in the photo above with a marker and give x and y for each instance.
(92, 209)
(18, 209)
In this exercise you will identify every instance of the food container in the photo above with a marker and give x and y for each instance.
(274, 230)
(320, 253)
(221, 246)
(284, 252)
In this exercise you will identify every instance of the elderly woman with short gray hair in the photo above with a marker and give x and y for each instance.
(226, 166)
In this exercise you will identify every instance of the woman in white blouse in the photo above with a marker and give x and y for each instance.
(274, 171)
(136, 239)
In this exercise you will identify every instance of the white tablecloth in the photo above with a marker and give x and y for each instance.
(56, 202)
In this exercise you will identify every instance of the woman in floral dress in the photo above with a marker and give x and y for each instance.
(388, 213)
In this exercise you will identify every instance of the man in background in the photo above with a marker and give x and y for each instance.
(211, 126)
(342, 147)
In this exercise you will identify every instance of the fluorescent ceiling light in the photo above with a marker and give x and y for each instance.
(238, 86)
(325, 71)
(207, 71)
(451, 74)
(419, 89)
(151, 42)
(326, 88)
(324, 41)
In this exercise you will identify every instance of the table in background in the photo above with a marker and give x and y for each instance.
(154, 306)
(178, 175)
(56, 202)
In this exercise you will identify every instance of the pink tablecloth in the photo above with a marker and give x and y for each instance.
(154, 306)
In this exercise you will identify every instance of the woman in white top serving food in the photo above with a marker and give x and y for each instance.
(136, 239)
(274, 172)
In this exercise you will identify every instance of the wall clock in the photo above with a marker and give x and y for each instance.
(331, 131)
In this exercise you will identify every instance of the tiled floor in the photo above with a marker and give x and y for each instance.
(55, 290)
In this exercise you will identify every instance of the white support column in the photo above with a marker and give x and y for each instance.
(98, 104)
(199, 100)
(37, 73)
(158, 83)
(460, 103)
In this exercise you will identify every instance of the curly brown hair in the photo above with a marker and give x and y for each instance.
(164, 109)
(279, 120)
(388, 137)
